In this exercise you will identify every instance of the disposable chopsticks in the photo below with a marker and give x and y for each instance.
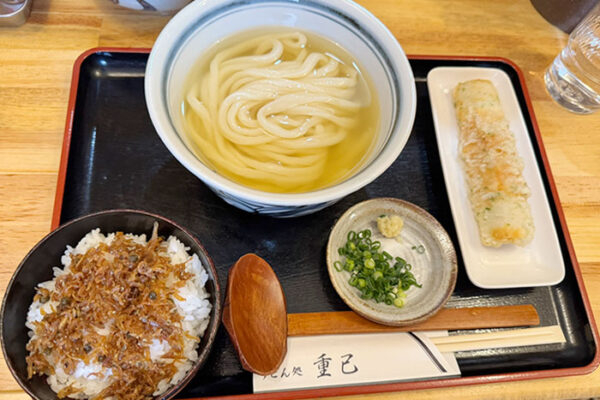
(498, 339)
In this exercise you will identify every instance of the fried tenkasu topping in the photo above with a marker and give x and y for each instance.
(116, 299)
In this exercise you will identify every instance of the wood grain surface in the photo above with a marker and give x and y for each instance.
(254, 315)
(35, 72)
(327, 323)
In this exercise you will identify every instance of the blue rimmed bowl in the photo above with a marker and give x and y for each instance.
(201, 24)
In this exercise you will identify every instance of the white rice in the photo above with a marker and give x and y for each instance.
(194, 310)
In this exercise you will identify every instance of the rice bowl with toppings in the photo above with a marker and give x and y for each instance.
(121, 320)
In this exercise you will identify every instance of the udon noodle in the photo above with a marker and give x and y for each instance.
(273, 112)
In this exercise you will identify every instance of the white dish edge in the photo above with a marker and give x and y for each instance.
(540, 263)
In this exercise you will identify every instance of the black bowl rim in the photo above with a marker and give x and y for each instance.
(216, 311)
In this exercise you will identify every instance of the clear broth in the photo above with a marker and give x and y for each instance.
(344, 158)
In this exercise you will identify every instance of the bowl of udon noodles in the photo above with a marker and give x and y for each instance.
(281, 107)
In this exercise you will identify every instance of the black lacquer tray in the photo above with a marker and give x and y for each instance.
(112, 158)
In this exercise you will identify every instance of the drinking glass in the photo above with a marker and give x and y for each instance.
(573, 79)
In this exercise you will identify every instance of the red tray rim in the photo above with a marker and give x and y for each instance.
(385, 387)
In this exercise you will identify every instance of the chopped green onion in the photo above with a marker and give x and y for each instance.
(419, 249)
(349, 266)
(377, 274)
(338, 265)
(399, 302)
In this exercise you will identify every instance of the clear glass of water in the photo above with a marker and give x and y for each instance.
(573, 79)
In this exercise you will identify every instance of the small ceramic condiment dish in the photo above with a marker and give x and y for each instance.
(37, 267)
(195, 30)
(422, 242)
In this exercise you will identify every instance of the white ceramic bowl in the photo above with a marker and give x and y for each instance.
(203, 23)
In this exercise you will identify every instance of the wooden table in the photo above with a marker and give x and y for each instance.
(36, 60)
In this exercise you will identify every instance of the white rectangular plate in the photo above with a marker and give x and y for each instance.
(540, 263)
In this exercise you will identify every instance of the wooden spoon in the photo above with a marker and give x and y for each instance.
(257, 321)
(255, 315)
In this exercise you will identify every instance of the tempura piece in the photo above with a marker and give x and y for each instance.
(487, 149)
